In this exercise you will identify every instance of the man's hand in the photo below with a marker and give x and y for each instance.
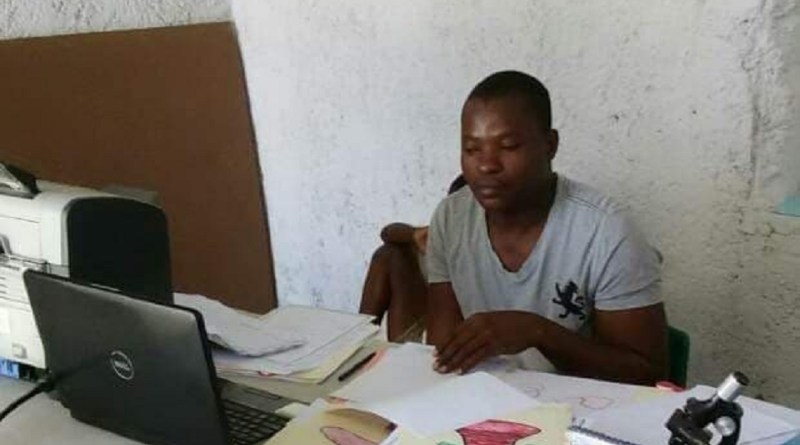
(485, 335)
(628, 345)
(402, 233)
(398, 233)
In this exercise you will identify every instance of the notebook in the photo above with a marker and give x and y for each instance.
(644, 423)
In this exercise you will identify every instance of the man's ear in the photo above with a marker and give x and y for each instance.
(552, 143)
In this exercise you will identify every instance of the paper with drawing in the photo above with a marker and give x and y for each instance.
(543, 425)
(336, 426)
(585, 396)
(409, 368)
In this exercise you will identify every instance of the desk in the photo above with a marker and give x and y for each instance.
(43, 421)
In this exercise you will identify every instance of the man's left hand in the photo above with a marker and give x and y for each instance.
(485, 335)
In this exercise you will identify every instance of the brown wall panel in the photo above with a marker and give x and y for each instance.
(162, 109)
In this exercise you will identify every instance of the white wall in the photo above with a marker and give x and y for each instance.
(680, 109)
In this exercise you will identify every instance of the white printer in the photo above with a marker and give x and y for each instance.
(80, 233)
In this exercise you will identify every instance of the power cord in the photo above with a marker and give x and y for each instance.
(45, 385)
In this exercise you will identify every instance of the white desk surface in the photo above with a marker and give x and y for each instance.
(43, 421)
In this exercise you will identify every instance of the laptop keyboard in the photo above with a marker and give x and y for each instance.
(248, 425)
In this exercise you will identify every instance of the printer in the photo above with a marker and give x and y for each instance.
(80, 233)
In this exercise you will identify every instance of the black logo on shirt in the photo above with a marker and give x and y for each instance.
(569, 299)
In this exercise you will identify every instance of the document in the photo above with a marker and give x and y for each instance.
(406, 368)
(300, 343)
(317, 327)
(325, 358)
(409, 368)
(454, 403)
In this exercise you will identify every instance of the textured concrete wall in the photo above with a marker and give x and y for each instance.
(29, 18)
(766, 333)
(683, 110)
(788, 39)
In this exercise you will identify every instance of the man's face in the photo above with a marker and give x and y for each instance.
(505, 152)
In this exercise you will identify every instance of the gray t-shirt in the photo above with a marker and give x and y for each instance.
(589, 256)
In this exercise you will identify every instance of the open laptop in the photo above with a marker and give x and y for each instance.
(142, 369)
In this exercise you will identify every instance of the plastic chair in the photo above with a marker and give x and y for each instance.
(678, 342)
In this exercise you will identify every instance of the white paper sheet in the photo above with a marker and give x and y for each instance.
(585, 396)
(643, 423)
(401, 370)
(451, 404)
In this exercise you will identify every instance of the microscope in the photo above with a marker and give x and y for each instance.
(689, 425)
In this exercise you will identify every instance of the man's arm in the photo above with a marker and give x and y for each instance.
(444, 313)
(627, 345)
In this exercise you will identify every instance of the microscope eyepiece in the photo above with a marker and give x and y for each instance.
(732, 386)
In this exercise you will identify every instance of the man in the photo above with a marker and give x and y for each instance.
(528, 262)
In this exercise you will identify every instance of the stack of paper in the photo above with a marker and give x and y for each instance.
(329, 338)
(296, 343)
(237, 331)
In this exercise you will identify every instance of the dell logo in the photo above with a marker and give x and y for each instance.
(122, 365)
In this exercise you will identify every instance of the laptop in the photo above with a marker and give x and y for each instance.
(142, 369)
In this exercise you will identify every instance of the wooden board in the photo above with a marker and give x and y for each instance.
(161, 109)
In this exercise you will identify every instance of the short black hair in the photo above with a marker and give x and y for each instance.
(504, 84)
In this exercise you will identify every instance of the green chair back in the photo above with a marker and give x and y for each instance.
(678, 355)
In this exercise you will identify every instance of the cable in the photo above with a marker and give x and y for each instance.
(44, 386)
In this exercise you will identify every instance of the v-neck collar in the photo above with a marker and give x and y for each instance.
(529, 265)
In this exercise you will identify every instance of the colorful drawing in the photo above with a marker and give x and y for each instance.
(336, 426)
(543, 425)
(496, 432)
(341, 436)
